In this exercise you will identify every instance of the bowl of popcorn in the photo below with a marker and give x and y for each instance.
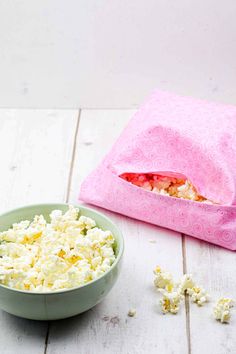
(56, 261)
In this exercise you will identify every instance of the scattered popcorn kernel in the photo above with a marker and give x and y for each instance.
(67, 252)
(162, 279)
(132, 313)
(186, 282)
(166, 185)
(198, 295)
(170, 301)
(222, 309)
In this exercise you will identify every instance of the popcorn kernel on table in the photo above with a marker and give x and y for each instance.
(222, 309)
(132, 312)
(170, 301)
(162, 279)
(186, 282)
(198, 295)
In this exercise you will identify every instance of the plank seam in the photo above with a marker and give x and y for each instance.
(46, 339)
(187, 310)
(73, 158)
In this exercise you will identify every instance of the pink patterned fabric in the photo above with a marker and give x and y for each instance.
(179, 135)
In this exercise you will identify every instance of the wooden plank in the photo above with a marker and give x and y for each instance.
(107, 328)
(35, 155)
(214, 268)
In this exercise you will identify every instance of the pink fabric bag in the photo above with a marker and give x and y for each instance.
(180, 135)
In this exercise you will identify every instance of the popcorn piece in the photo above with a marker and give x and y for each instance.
(86, 223)
(186, 282)
(163, 280)
(170, 301)
(147, 186)
(67, 252)
(222, 309)
(187, 191)
(55, 214)
(132, 313)
(198, 295)
(164, 192)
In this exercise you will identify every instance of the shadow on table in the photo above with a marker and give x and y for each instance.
(24, 331)
(20, 329)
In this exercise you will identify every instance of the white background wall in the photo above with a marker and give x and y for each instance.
(112, 53)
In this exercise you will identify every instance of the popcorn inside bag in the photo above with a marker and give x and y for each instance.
(173, 186)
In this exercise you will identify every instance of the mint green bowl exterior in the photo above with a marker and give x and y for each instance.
(64, 303)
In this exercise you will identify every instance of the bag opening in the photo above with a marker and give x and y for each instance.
(166, 183)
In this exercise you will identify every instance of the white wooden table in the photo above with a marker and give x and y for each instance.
(45, 154)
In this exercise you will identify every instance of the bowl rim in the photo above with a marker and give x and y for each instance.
(80, 206)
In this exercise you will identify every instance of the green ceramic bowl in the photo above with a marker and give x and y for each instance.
(64, 303)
